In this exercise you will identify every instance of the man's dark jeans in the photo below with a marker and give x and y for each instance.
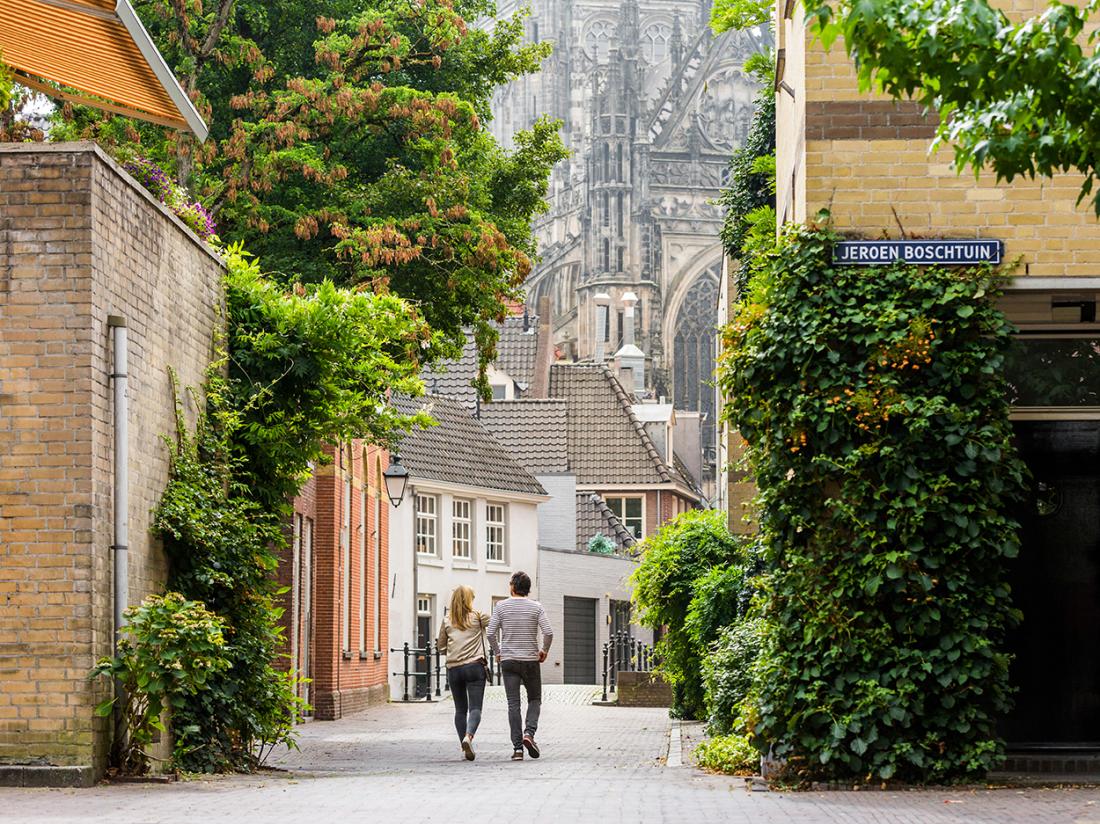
(528, 673)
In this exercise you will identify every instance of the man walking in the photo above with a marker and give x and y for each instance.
(518, 620)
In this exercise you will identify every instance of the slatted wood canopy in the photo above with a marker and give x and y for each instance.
(100, 49)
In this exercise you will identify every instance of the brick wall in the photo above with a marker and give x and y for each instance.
(867, 160)
(642, 689)
(348, 668)
(80, 241)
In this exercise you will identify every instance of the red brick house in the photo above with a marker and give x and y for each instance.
(335, 567)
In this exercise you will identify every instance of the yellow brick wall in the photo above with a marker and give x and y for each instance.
(865, 182)
(80, 241)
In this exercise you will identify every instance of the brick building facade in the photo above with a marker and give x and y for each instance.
(81, 241)
(336, 567)
(867, 160)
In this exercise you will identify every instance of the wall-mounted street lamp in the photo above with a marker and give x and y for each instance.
(397, 478)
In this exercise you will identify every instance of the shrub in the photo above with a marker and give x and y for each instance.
(164, 188)
(716, 602)
(601, 544)
(733, 754)
(728, 674)
(875, 413)
(169, 650)
(673, 559)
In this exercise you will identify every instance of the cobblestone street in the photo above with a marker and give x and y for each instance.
(400, 763)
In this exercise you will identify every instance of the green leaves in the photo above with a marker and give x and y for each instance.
(168, 649)
(691, 579)
(880, 444)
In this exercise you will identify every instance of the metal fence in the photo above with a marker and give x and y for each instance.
(419, 665)
(624, 653)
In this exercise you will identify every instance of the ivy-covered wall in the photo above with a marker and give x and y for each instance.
(875, 415)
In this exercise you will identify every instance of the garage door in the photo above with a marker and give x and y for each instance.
(580, 640)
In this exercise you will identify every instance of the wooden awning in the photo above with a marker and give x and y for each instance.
(100, 49)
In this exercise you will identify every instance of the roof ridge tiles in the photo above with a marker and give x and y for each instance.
(639, 427)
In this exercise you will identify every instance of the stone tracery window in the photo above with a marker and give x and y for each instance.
(693, 351)
(655, 43)
(597, 40)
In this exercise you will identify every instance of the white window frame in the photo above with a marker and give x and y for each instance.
(491, 526)
(462, 529)
(424, 519)
(622, 517)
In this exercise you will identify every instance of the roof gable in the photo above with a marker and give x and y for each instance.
(460, 450)
(607, 443)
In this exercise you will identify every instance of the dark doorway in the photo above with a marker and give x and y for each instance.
(620, 623)
(1056, 584)
(580, 640)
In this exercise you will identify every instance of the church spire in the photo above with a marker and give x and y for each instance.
(676, 43)
(629, 29)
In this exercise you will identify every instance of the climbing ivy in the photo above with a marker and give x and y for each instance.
(750, 196)
(299, 369)
(875, 414)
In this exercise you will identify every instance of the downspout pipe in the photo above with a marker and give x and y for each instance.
(121, 498)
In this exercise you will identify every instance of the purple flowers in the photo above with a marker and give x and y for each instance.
(161, 185)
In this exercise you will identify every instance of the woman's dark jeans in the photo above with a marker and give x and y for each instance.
(467, 684)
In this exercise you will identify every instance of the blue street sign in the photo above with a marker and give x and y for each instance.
(920, 252)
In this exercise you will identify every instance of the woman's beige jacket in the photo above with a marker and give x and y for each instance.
(463, 646)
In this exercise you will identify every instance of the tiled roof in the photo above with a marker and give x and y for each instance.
(594, 516)
(531, 431)
(454, 379)
(516, 350)
(460, 450)
(607, 443)
(515, 356)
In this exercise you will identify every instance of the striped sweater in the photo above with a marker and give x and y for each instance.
(518, 622)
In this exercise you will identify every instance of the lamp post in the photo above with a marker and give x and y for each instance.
(397, 478)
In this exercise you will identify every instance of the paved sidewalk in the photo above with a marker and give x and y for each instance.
(401, 763)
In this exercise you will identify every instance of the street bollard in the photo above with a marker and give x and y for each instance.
(605, 672)
(406, 670)
(437, 684)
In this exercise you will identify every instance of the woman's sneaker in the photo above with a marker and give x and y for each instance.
(517, 755)
(532, 747)
(468, 748)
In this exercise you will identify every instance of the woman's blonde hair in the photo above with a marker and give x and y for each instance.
(462, 604)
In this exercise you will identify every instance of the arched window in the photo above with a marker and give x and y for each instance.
(619, 220)
(606, 162)
(597, 40)
(655, 43)
(693, 351)
(619, 163)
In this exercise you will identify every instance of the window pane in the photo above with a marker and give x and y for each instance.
(1059, 372)
(634, 507)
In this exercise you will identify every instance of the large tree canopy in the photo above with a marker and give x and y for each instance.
(1021, 98)
(352, 147)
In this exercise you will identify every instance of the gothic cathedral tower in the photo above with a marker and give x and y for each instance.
(652, 106)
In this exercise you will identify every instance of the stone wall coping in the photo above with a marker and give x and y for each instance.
(633, 560)
(93, 148)
(16, 775)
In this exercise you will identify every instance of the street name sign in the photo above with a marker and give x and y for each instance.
(920, 252)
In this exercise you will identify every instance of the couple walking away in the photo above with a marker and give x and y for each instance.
(513, 633)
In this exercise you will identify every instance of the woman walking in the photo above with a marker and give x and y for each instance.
(462, 640)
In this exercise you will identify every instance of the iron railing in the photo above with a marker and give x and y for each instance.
(422, 663)
(624, 653)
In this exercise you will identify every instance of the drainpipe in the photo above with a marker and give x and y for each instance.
(117, 325)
